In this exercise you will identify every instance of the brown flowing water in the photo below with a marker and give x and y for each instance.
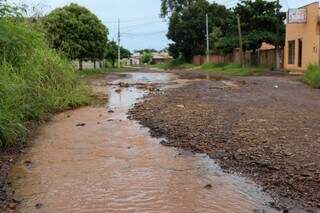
(112, 164)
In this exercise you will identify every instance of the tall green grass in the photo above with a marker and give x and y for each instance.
(232, 69)
(312, 76)
(34, 80)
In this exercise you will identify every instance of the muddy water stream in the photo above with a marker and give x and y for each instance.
(111, 164)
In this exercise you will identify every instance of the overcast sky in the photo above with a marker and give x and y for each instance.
(140, 23)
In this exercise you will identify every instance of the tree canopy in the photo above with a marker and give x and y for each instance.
(146, 57)
(187, 26)
(258, 22)
(77, 32)
(170, 6)
(111, 53)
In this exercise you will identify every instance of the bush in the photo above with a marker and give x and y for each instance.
(312, 76)
(34, 80)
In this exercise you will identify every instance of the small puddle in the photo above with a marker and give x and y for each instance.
(90, 160)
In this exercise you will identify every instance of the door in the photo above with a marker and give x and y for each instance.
(300, 53)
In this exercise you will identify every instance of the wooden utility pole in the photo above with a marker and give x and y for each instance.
(240, 41)
(207, 32)
(277, 44)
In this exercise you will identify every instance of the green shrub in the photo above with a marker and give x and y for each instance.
(312, 76)
(34, 80)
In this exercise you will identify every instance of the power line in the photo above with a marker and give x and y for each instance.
(140, 25)
(133, 19)
(144, 33)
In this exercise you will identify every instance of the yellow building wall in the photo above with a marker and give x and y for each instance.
(309, 33)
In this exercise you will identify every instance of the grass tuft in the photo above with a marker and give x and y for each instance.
(312, 76)
(232, 69)
(34, 80)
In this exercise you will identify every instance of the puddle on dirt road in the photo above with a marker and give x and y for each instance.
(108, 163)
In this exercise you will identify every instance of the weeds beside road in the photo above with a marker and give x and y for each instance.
(223, 69)
(34, 81)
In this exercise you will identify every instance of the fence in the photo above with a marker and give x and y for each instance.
(260, 57)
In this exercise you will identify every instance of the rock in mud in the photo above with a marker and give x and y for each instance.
(38, 206)
(110, 111)
(208, 186)
(81, 124)
(122, 84)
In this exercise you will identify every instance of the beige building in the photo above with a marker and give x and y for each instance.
(302, 38)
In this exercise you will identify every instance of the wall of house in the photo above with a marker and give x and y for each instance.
(309, 34)
(87, 64)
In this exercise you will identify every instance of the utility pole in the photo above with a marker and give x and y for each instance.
(278, 36)
(207, 31)
(119, 56)
(240, 41)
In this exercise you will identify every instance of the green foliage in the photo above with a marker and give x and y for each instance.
(34, 80)
(85, 73)
(312, 76)
(7, 10)
(145, 50)
(232, 69)
(187, 27)
(77, 32)
(112, 52)
(170, 6)
(146, 57)
(258, 22)
(125, 53)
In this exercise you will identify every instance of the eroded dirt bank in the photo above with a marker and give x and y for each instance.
(264, 127)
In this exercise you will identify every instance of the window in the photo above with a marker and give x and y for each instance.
(292, 48)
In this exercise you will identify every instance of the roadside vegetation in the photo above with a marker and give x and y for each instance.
(36, 74)
(312, 76)
(34, 81)
(85, 73)
(187, 26)
(224, 69)
(233, 69)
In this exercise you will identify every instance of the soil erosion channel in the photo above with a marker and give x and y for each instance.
(96, 160)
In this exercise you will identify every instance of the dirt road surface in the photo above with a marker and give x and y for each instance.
(266, 128)
(94, 159)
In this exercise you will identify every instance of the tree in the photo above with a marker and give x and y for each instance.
(124, 53)
(9, 10)
(258, 22)
(146, 57)
(112, 52)
(170, 6)
(187, 28)
(146, 50)
(77, 32)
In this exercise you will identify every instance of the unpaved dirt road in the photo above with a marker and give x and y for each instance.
(265, 127)
(96, 160)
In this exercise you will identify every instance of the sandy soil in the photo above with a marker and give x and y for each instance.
(266, 128)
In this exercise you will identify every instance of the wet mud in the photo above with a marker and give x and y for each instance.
(94, 159)
(263, 127)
